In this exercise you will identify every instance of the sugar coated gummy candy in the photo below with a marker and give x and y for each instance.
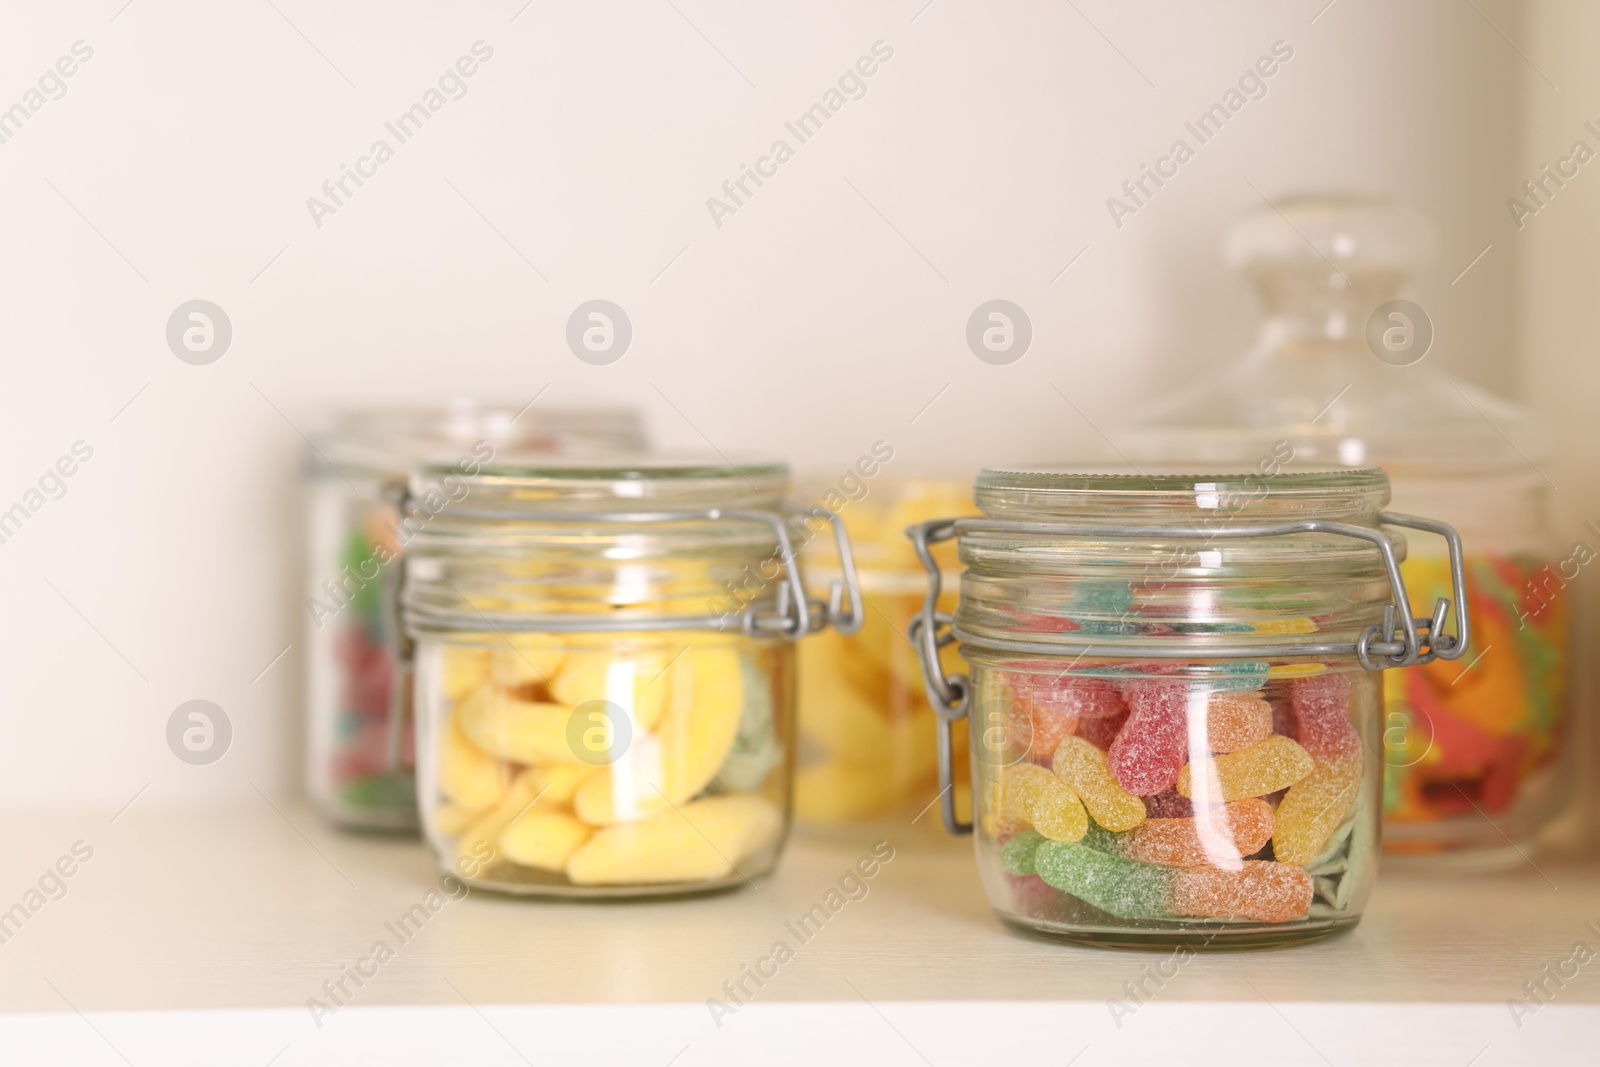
(699, 841)
(1038, 798)
(1084, 768)
(1169, 805)
(1236, 720)
(1217, 836)
(692, 741)
(1153, 744)
(1016, 855)
(1322, 712)
(1314, 807)
(1121, 887)
(1101, 730)
(1256, 771)
(1261, 890)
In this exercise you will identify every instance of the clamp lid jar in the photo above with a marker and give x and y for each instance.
(1174, 696)
(597, 715)
(359, 744)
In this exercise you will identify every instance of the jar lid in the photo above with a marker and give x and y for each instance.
(386, 442)
(1156, 494)
(1159, 562)
(1332, 234)
(530, 485)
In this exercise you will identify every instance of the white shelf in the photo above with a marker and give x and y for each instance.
(224, 923)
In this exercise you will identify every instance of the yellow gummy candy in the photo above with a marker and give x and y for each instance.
(521, 731)
(463, 667)
(840, 792)
(558, 783)
(1262, 768)
(452, 819)
(632, 681)
(700, 841)
(483, 835)
(1083, 766)
(670, 766)
(1037, 797)
(470, 777)
(1313, 808)
(543, 839)
(839, 716)
(532, 658)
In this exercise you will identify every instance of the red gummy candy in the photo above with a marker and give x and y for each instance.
(1322, 712)
(1053, 706)
(1169, 805)
(1153, 745)
(1103, 729)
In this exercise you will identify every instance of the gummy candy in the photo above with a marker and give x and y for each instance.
(1036, 797)
(690, 745)
(1314, 807)
(1168, 805)
(543, 839)
(1153, 744)
(1083, 766)
(1235, 721)
(1262, 890)
(1120, 887)
(1322, 711)
(1256, 771)
(1102, 730)
(1216, 836)
(470, 777)
(702, 840)
(1016, 855)
(521, 731)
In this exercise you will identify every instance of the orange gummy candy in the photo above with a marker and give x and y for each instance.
(1219, 836)
(1261, 890)
(1236, 720)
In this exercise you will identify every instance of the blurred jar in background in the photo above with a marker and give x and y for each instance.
(359, 748)
(1475, 751)
(867, 732)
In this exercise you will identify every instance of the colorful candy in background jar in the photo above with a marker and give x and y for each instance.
(646, 759)
(1233, 799)
(373, 755)
(1482, 735)
(866, 728)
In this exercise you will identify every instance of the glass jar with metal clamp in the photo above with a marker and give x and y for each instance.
(604, 663)
(359, 746)
(1174, 696)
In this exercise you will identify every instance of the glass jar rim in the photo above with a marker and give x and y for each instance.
(1171, 494)
(528, 485)
(386, 441)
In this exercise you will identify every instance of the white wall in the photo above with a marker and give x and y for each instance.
(804, 326)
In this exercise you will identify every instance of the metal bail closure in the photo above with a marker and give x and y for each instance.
(792, 614)
(950, 695)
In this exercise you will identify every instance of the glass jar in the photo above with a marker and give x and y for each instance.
(605, 672)
(1477, 758)
(1174, 696)
(359, 759)
(866, 729)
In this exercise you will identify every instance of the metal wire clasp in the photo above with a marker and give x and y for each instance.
(950, 695)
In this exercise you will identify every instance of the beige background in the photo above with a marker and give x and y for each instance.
(823, 316)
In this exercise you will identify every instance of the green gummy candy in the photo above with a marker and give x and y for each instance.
(1016, 855)
(1120, 887)
(1100, 839)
